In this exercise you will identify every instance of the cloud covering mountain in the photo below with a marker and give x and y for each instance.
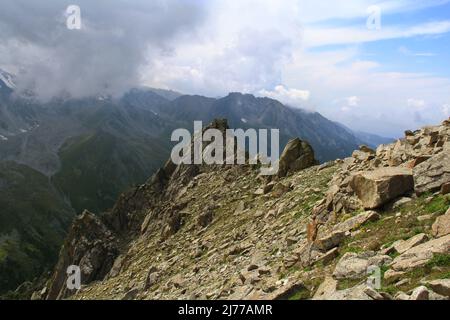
(313, 55)
(104, 56)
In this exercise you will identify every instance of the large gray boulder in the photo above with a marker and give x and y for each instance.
(329, 241)
(296, 156)
(375, 188)
(431, 175)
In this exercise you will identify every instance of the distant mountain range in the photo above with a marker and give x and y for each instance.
(61, 157)
(370, 139)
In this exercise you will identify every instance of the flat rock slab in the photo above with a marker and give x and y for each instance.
(357, 221)
(404, 245)
(286, 291)
(326, 288)
(441, 227)
(355, 293)
(355, 265)
(418, 256)
(375, 188)
(329, 256)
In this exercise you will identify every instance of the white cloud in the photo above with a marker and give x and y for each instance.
(383, 94)
(353, 101)
(316, 37)
(246, 61)
(289, 96)
(418, 104)
(404, 50)
(446, 110)
(325, 10)
(236, 52)
(349, 103)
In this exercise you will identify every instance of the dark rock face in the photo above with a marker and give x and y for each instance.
(296, 156)
(89, 245)
(205, 218)
(431, 175)
(121, 218)
(174, 223)
(92, 242)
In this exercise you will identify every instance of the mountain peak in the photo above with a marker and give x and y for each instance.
(240, 95)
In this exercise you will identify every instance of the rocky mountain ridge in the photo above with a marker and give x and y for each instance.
(224, 232)
(82, 153)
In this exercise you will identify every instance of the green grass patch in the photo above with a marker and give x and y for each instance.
(437, 268)
(302, 294)
(439, 204)
(439, 260)
(391, 289)
(351, 249)
(348, 283)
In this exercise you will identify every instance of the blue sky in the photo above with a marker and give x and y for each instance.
(425, 54)
(320, 55)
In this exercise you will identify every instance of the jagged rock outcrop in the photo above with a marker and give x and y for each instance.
(423, 151)
(297, 155)
(89, 245)
(126, 215)
(416, 147)
(93, 241)
(432, 174)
